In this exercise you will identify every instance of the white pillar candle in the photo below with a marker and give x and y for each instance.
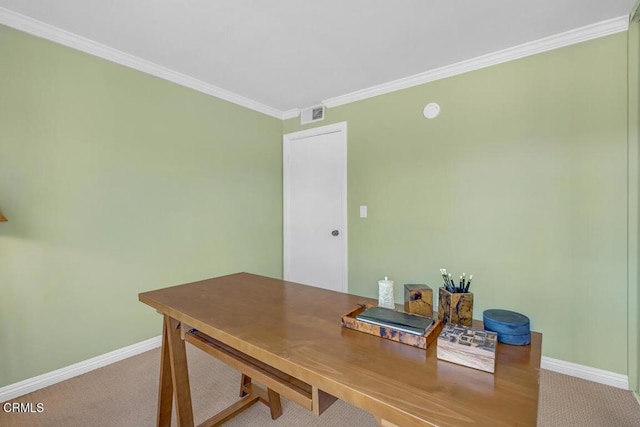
(385, 293)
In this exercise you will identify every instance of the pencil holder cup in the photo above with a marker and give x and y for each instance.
(455, 308)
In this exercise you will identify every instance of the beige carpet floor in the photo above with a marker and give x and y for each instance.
(124, 394)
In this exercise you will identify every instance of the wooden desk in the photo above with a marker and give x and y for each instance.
(295, 330)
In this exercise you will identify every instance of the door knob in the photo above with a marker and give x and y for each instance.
(335, 232)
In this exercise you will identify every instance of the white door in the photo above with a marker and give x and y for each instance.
(315, 207)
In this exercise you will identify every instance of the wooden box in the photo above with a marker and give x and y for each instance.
(455, 308)
(422, 341)
(475, 348)
(418, 299)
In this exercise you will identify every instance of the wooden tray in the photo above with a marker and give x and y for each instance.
(422, 341)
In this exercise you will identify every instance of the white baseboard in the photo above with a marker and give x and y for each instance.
(32, 384)
(585, 372)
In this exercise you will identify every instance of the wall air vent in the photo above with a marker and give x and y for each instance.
(312, 114)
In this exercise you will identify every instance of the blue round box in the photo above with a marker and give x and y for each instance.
(512, 328)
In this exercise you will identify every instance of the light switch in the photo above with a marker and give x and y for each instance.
(363, 211)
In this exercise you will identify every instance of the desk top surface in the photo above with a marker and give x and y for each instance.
(296, 329)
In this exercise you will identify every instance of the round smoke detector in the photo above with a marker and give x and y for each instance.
(431, 111)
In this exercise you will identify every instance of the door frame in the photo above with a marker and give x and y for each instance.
(287, 140)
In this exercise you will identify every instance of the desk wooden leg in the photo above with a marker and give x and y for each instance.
(384, 423)
(244, 382)
(274, 404)
(165, 389)
(268, 396)
(321, 400)
(179, 373)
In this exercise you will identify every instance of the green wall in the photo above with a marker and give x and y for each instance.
(115, 182)
(521, 181)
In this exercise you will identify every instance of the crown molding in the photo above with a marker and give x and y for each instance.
(74, 41)
(578, 35)
(290, 114)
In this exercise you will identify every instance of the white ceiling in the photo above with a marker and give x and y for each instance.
(289, 54)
